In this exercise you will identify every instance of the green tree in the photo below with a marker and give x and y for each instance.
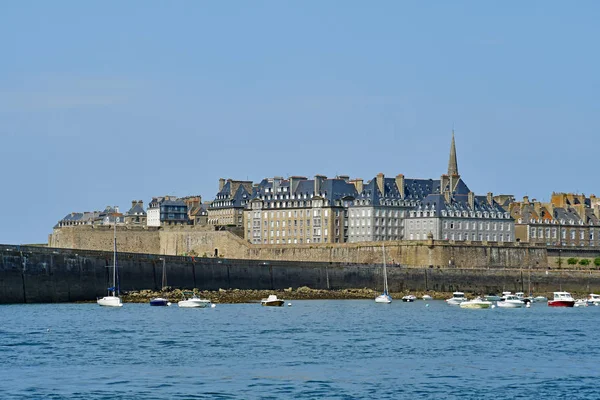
(597, 261)
(584, 262)
(572, 261)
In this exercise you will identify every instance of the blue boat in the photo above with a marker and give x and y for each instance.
(160, 302)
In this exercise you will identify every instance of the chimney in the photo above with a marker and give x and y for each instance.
(221, 183)
(447, 196)
(471, 197)
(345, 178)
(525, 199)
(294, 182)
(318, 183)
(380, 180)
(490, 198)
(444, 181)
(358, 184)
(400, 184)
(116, 209)
(133, 203)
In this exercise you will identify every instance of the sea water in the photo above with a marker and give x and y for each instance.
(319, 349)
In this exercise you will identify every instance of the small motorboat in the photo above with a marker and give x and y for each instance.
(476, 303)
(427, 297)
(540, 299)
(581, 303)
(272, 301)
(457, 298)
(409, 298)
(159, 302)
(510, 301)
(562, 299)
(193, 302)
(593, 299)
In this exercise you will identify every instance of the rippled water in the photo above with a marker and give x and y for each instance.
(352, 349)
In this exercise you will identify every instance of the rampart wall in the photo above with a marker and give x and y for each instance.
(38, 275)
(206, 242)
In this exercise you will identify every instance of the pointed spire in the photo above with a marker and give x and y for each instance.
(452, 163)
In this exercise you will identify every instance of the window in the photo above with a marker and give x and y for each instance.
(533, 233)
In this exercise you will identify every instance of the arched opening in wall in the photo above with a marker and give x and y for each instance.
(216, 252)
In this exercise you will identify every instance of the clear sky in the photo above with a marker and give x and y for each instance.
(109, 101)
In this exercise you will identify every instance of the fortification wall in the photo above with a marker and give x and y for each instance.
(38, 275)
(205, 242)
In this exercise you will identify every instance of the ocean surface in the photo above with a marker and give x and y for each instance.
(319, 349)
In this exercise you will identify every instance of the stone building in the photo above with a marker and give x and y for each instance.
(381, 205)
(298, 210)
(227, 209)
(136, 214)
(452, 212)
(567, 220)
(167, 210)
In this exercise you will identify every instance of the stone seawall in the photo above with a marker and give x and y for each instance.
(39, 275)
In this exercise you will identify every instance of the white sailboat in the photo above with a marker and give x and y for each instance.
(384, 297)
(113, 299)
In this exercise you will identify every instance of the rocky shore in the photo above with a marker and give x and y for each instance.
(254, 296)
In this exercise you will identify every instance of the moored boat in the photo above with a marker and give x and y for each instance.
(476, 303)
(385, 296)
(427, 297)
(562, 299)
(272, 301)
(593, 299)
(457, 298)
(193, 302)
(112, 299)
(160, 302)
(581, 303)
(511, 301)
(409, 298)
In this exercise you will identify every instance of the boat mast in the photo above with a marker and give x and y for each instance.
(115, 259)
(385, 282)
(164, 275)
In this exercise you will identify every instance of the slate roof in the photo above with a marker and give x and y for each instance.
(458, 203)
(333, 189)
(136, 210)
(236, 200)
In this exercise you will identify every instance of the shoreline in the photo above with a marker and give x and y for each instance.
(237, 296)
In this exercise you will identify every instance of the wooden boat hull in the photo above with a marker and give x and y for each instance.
(274, 303)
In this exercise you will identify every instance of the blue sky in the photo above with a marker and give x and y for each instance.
(105, 102)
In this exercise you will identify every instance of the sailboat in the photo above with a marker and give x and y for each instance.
(159, 301)
(113, 299)
(384, 297)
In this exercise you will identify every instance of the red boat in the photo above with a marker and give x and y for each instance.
(562, 299)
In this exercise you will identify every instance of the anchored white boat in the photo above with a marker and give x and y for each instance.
(427, 297)
(457, 298)
(476, 303)
(409, 298)
(593, 299)
(511, 301)
(193, 302)
(272, 301)
(112, 299)
(384, 297)
(581, 303)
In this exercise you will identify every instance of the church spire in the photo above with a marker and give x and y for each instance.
(452, 163)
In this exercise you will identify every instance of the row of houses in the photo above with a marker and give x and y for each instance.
(299, 210)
